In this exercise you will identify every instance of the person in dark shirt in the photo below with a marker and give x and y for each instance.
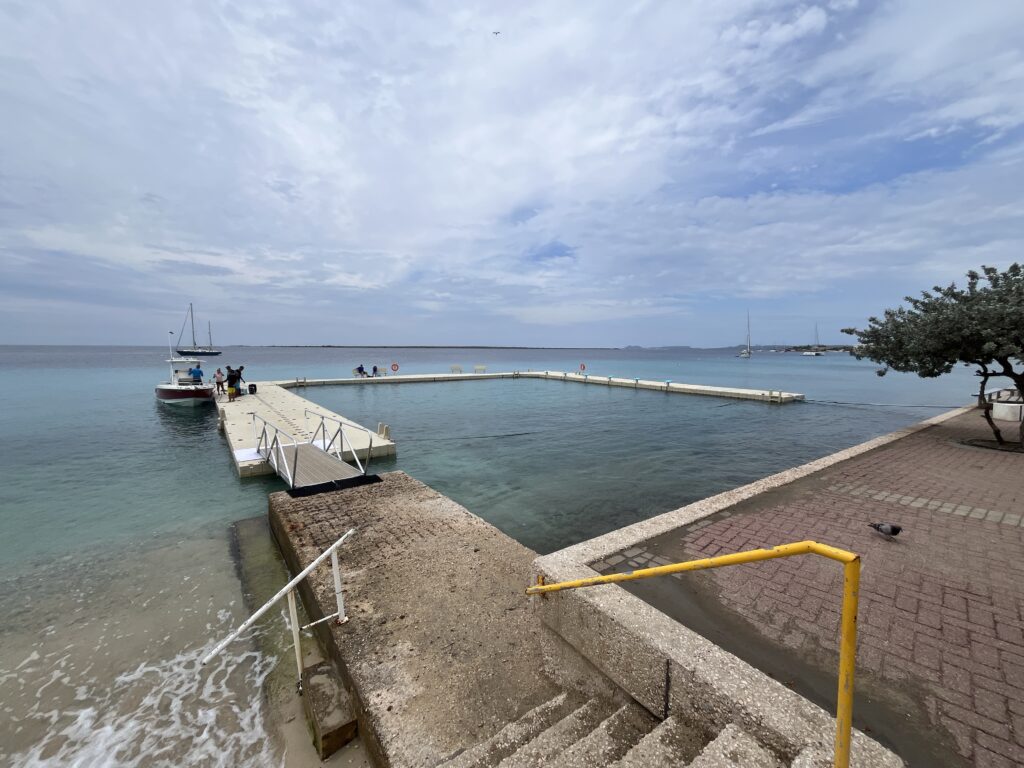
(232, 384)
(241, 380)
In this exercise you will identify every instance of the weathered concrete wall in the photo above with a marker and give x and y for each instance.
(441, 649)
(671, 670)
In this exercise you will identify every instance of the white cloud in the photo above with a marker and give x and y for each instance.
(340, 154)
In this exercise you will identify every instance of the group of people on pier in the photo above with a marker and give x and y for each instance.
(234, 380)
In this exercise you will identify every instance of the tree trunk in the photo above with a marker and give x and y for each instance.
(986, 407)
(1018, 382)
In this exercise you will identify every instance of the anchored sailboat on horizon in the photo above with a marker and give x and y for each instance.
(816, 352)
(746, 352)
(195, 349)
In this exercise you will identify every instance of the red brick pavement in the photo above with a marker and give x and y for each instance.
(942, 606)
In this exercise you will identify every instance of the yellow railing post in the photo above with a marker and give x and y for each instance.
(847, 657)
(848, 628)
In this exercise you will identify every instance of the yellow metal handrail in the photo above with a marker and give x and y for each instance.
(848, 629)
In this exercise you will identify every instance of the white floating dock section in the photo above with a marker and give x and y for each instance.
(764, 395)
(286, 411)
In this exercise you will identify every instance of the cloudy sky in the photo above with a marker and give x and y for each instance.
(599, 173)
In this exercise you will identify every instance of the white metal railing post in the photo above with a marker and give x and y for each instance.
(342, 438)
(294, 467)
(296, 638)
(355, 456)
(340, 597)
(339, 451)
(279, 457)
(287, 589)
(338, 442)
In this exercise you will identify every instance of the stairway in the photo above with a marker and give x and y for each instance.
(571, 732)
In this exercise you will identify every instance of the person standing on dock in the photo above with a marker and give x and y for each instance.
(218, 377)
(232, 384)
(241, 381)
(375, 371)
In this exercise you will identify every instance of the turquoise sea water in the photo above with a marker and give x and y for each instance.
(115, 509)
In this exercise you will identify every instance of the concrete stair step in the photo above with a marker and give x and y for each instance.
(514, 734)
(329, 709)
(672, 742)
(612, 738)
(734, 748)
(566, 732)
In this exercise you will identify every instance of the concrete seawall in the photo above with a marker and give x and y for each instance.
(437, 651)
(445, 655)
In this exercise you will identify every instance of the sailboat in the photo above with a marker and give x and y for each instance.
(195, 349)
(816, 352)
(745, 353)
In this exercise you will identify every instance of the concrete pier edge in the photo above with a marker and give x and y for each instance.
(325, 637)
(595, 549)
(669, 668)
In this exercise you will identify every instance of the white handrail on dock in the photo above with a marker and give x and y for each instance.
(289, 590)
(275, 453)
(1000, 393)
(327, 445)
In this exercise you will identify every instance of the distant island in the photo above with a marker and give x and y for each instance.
(628, 348)
(408, 346)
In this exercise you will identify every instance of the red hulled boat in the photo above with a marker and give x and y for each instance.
(182, 389)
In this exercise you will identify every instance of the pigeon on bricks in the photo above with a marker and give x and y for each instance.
(889, 530)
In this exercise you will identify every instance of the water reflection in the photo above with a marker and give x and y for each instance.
(186, 423)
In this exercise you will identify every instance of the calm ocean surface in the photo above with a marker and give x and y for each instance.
(115, 570)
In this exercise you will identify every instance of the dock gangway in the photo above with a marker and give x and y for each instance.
(304, 463)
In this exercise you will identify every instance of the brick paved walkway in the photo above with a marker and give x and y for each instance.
(942, 607)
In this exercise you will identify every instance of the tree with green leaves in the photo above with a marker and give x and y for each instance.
(981, 324)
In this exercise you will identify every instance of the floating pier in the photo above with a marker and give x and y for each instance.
(764, 395)
(673, 387)
(302, 421)
(299, 419)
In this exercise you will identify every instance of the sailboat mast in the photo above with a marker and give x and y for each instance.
(192, 319)
(170, 355)
(748, 333)
(209, 333)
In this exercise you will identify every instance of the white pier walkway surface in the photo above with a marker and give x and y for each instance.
(765, 395)
(304, 424)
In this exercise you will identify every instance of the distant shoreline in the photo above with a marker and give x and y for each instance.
(404, 346)
(628, 348)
